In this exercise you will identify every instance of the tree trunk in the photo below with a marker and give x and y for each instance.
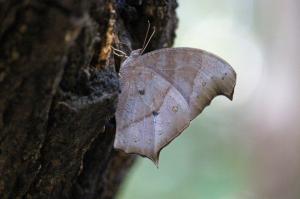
(59, 89)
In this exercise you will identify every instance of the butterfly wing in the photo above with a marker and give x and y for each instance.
(162, 91)
(150, 113)
(198, 75)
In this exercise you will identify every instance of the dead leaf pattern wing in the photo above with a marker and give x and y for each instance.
(198, 75)
(151, 113)
(162, 91)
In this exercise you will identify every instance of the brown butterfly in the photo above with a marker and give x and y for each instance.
(162, 91)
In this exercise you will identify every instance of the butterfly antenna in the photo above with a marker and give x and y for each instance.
(145, 40)
(144, 48)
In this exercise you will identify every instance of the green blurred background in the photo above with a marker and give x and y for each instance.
(228, 151)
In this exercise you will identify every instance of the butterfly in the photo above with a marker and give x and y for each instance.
(162, 92)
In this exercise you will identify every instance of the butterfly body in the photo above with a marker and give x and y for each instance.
(162, 91)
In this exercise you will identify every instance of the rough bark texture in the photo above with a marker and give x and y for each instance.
(58, 91)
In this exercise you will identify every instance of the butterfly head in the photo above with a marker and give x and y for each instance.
(135, 53)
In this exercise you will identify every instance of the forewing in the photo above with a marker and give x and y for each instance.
(150, 113)
(199, 76)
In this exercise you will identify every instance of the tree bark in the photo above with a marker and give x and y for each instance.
(59, 88)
